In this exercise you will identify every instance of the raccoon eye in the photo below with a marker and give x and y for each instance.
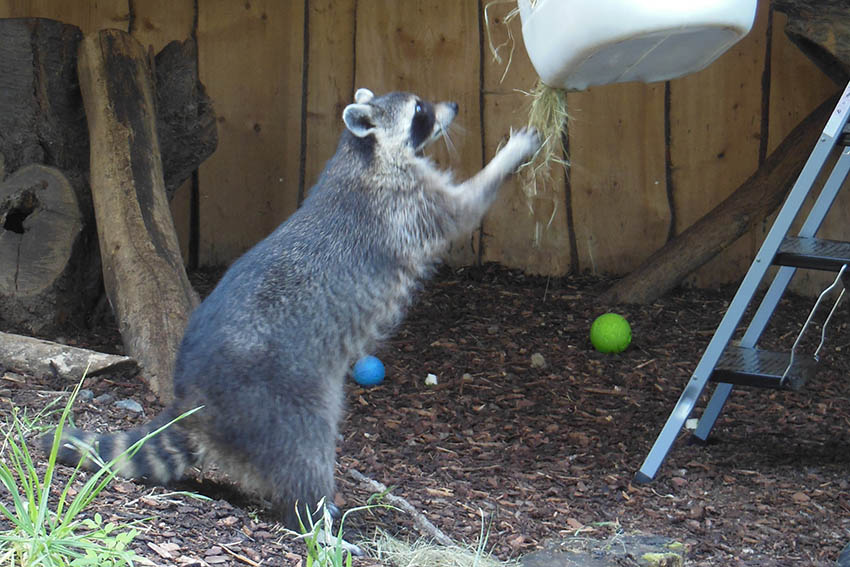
(422, 125)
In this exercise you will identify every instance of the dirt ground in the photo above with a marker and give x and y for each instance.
(539, 452)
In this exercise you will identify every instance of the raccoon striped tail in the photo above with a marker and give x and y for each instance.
(162, 458)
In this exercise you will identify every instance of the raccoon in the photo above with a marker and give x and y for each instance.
(267, 352)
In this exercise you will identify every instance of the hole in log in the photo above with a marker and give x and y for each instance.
(26, 205)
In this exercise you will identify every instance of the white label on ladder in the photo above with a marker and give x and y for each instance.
(839, 115)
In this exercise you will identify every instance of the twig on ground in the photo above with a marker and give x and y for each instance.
(238, 556)
(421, 522)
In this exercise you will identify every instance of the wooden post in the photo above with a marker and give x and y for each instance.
(143, 272)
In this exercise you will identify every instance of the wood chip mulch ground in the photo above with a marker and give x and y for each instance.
(536, 451)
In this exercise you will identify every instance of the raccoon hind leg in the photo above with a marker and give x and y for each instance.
(299, 473)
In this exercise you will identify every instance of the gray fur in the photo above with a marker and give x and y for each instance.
(267, 352)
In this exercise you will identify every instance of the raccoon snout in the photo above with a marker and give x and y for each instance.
(445, 113)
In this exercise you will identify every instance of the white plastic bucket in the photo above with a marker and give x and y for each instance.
(574, 44)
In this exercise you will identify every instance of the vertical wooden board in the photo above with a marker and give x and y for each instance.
(87, 15)
(797, 87)
(716, 121)
(529, 235)
(430, 47)
(251, 56)
(157, 23)
(617, 175)
(330, 80)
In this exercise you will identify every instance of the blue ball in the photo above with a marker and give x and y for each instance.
(369, 371)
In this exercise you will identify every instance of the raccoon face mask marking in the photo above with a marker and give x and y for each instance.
(398, 120)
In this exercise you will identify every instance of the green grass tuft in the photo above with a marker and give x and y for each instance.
(56, 534)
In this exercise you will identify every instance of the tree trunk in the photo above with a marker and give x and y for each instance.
(749, 205)
(143, 272)
(49, 265)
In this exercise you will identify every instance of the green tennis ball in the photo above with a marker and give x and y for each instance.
(610, 333)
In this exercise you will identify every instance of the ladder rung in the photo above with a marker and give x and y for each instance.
(762, 368)
(813, 253)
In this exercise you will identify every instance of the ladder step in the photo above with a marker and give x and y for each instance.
(762, 368)
(813, 253)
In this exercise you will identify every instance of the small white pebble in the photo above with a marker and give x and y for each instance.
(691, 424)
(431, 380)
(537, 360)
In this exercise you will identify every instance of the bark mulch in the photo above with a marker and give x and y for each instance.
(536, 451)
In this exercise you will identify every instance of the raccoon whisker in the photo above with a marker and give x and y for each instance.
(447, 140)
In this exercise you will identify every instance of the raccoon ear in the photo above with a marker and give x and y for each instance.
(363, 96)
(358, 119)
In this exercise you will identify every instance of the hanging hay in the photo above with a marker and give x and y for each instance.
(547, 114)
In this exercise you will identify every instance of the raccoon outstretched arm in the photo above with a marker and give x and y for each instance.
(474, 196)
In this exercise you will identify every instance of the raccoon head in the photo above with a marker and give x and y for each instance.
(398, 121)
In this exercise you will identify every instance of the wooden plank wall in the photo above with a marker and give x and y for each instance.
(646, 160)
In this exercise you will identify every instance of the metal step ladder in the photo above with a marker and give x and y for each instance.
(743, 363)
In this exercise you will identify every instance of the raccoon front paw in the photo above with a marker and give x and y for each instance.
(523, 144)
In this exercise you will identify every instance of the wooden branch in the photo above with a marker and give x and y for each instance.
(749, 205)
(421, 522)
(36, 357)
(143, 271)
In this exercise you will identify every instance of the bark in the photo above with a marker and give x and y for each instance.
(821, 29)
(43, 121)
(184, 114)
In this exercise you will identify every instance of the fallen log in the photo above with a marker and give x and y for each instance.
(36, 357)
(747, 206)
(143, 271)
